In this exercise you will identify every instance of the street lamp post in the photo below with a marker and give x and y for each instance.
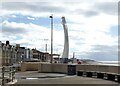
(46, 44)
(73, 57)
(51, 17)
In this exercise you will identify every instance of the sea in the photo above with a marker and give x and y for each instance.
(114, 63)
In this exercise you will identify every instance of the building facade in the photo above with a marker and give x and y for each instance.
(10, 54)
(41, 56)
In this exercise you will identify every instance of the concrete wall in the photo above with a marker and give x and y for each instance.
(63, 68)
(87, 67)
(59, 68)
(29, 66)
(102, 68)
(45, 67)
(114, 69)
(23, 67)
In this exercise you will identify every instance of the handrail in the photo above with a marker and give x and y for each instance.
(8, 73)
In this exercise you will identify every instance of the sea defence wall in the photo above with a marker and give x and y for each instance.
(29, 66)
(63, 68)
(100, 71)
(44, 67)
(100, 68)
(54, 68)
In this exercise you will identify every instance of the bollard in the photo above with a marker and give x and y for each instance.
(100, 75)
(3, 78)
(118, 78)
(111, 77)
(89, 74)
(80, 73)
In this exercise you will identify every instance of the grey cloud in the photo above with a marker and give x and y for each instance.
(39, 7)
(12, 31)
(110, 8)
(87, 13)
(103, 56)
(91, 13)
(107, 7)
(101, 53)
(104, 53)
(80, 42)
(105, 48)
(76, 38)
(35, 7)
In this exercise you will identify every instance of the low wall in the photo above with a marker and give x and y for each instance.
(59, 68)
(86, 67)
(44, 67)
(29, 66)
(56, 68)
(101, 68)
(63, 68)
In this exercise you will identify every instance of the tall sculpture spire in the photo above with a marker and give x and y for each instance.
(66, 42)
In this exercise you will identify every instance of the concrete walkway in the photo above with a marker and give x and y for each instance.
(35, 74)
(47, 79)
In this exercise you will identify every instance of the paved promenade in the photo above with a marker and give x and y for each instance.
(33, 78)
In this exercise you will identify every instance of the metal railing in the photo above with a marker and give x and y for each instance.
(7, 74)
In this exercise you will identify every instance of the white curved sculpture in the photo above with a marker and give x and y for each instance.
(66, 42)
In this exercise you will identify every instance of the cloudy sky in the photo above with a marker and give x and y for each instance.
(92, 26)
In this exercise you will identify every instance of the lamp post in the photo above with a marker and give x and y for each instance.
(73, 57)
(51, 17)
(46, 44)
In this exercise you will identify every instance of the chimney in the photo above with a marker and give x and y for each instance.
(7, 42)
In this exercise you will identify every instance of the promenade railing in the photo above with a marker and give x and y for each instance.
(7, 74)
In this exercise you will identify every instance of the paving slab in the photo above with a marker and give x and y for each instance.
(65, 80)
(35, 78)
(36, 74)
